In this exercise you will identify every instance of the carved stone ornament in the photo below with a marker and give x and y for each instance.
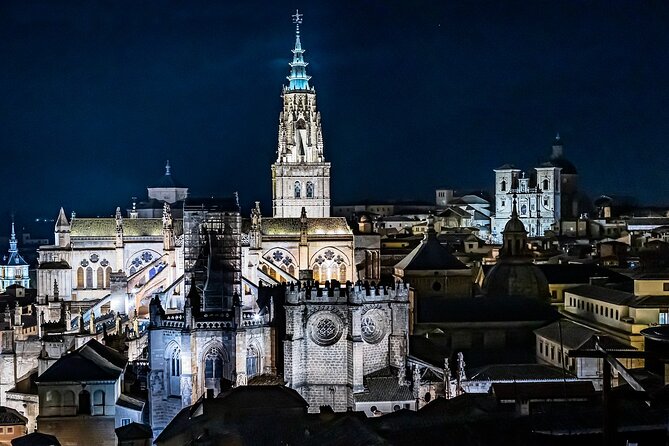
(325, 328)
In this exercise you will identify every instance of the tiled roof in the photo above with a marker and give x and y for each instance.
(90, 362)
(130, 402)
(132, 227)
(385, 388)
(602, 294)
(519, 372)
(570, 334)
(36, 439)
(315, 226)
(547, 390)
(430, 254)
(134, 431)
(570, 273)
(10, 417)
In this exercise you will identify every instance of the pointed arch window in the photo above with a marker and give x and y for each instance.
(108, 272)
(342, 273)
(252, 362)
(317, 273)
(213, 364)
(174, 371)
(100, 277)
(80, 278)
(298, 189)
(310, 189)
(89, 277)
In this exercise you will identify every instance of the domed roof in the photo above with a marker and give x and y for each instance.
(516, 279)
(514, 225)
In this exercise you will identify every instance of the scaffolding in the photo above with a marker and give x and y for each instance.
(212, 250)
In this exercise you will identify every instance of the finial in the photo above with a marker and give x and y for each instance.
(167, 168)
(514, 212)
(297, 20)
(557, 137)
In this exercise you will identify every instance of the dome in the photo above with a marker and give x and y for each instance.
(516, 279)
(514, 225)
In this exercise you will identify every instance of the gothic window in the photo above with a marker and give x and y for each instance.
(213, 364)
(98, 402)
(291, 270)
(80, 277)
(107, 276)
(100, 278)
(277, 256)
(310, 189)
(84, 403)
(317, 273)
(147, 256)
(325, 329)
(342, 273)
(545, 184)
(523, 209)
(298, 189)
(502, 186)
(252, 362)
(94, 258)
(89, 277)
(372, 327)
(132, 270)
(104, 262)
(174, 371)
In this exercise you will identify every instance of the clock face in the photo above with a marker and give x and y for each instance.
(373, 326)
(325, 328)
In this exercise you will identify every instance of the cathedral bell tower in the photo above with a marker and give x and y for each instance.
(300, 175)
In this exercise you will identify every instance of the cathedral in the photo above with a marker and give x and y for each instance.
(212, 300)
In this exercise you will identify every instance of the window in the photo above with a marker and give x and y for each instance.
(298, 189)
(252, 362)
(436, 286)
(125, 421)
(101, 278)
(664, 317)
(98, 402)
(10, 430)
(89, 277)
(523, 209)
(310, 189)
(545, 184)
(174, 371)
(617, 315)
(2, 430)
(342, 273)
(107, 276)
(396, 407)
(68, 398)
(502, 186)
(80, 277)
(552, 353)
(665, 286)
(53, 398)
(213, 364)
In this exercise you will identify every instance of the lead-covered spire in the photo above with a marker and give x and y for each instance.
(298, 79)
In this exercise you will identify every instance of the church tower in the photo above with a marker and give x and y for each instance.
(300, 175)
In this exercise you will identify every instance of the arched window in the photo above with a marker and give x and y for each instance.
(213, 364)
(523, 209)
(545, 184)
(108, 272)
(100, 277)
(98, 402)
(132, 270)
(310, 189)
(68, 398)
(291, 270)
(317, 273)
(252, 362)
(80, 277)
(342, 273)
(53, 398)
(298, 189)
(89, 277)
(174, 371)
(84, 403)
(502, 186)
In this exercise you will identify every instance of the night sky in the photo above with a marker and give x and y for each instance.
(96, 95)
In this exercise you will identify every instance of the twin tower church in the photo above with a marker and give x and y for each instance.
(224, 300)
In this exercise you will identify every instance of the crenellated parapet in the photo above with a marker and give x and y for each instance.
(334, 292)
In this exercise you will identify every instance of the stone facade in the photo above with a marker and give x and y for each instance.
(338, 335)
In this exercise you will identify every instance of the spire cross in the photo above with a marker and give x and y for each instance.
(297, 20)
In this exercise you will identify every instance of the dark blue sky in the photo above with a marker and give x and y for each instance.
(95, 95)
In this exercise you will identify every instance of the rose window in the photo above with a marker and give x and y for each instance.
(147, 256)
(325, 329)
(277, 256)
(372, 328)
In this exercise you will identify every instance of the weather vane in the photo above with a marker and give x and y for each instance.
(297, 19)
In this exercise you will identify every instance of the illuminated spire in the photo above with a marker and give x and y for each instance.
(298, 67)
(12, 239)
(167, 168)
